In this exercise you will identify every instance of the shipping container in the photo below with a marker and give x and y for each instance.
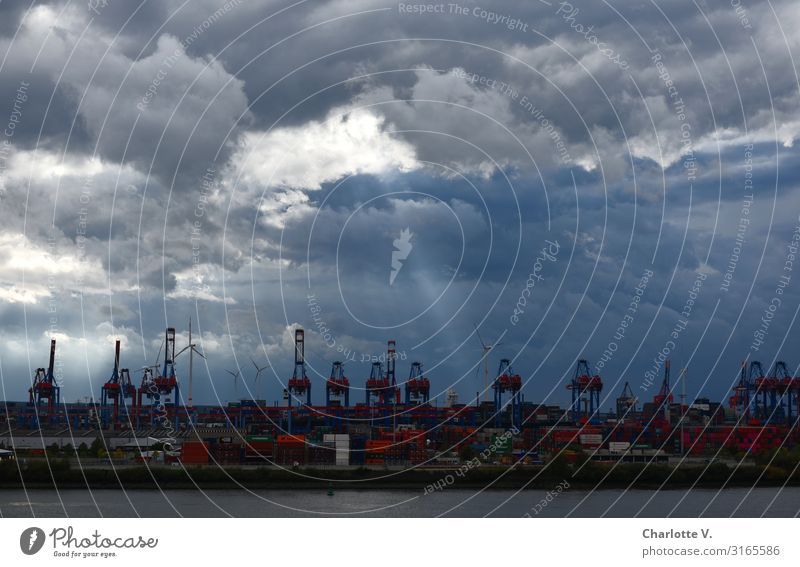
(502, 444)
(260, 439)
(194, 453)
(618, 446)
(591, 439)
(289, 455)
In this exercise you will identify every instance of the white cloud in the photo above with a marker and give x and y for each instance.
(350, 141)
(14, 294)
(29, 270)
(201, 282)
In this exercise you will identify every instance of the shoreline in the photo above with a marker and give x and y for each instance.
(60, 475)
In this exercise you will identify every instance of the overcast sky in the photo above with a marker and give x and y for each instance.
(615, 176)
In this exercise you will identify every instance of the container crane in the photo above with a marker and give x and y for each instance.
(761, 387)
(44, 387)
(299, 384)
(337, 386)
(664, 395)
(118, 387)
(584, 383)
(740, 401)
(418, 387)
(377, 386)
(626, 402)
(383, 387)
(507, 381)
(792, 399)
(147, 385)
(160, 387)
(391, 360)
(776, 386)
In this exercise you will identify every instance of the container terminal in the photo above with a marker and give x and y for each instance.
(395, 424)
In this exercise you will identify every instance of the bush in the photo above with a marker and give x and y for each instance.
(96, 447)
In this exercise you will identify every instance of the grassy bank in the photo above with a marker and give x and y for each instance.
(65, 474)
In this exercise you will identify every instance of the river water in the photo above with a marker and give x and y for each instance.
(770, 502)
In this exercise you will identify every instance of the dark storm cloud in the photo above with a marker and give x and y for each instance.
(156, 235)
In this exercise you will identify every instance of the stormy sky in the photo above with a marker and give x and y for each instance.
(615, 181)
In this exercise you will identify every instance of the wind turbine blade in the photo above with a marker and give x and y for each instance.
(480, 338)
(159, 354)
(180, 352)
(200, 354)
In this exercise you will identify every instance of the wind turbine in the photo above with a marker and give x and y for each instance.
(258, 373)
(148, 379)
(155, 365)
(235, 378)
(487, 348)
(192, 348)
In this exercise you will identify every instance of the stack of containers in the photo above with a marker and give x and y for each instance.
(290, 449)
(757, 439)
(320, 454)
(530, 436)
(227, 453)
(259, 446)
(342, 444)
(560, 438)
(396, 453)
(502, 444)
(694, 440)
(359, 429)
(415, 440)
(591, 440)
(618, 447)
(376, 451)
(453, 436)
(320, 449)
(417, 455)
(358, 445)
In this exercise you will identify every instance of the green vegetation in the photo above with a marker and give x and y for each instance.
(40, 473)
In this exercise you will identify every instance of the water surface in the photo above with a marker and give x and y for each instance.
(738, 502)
